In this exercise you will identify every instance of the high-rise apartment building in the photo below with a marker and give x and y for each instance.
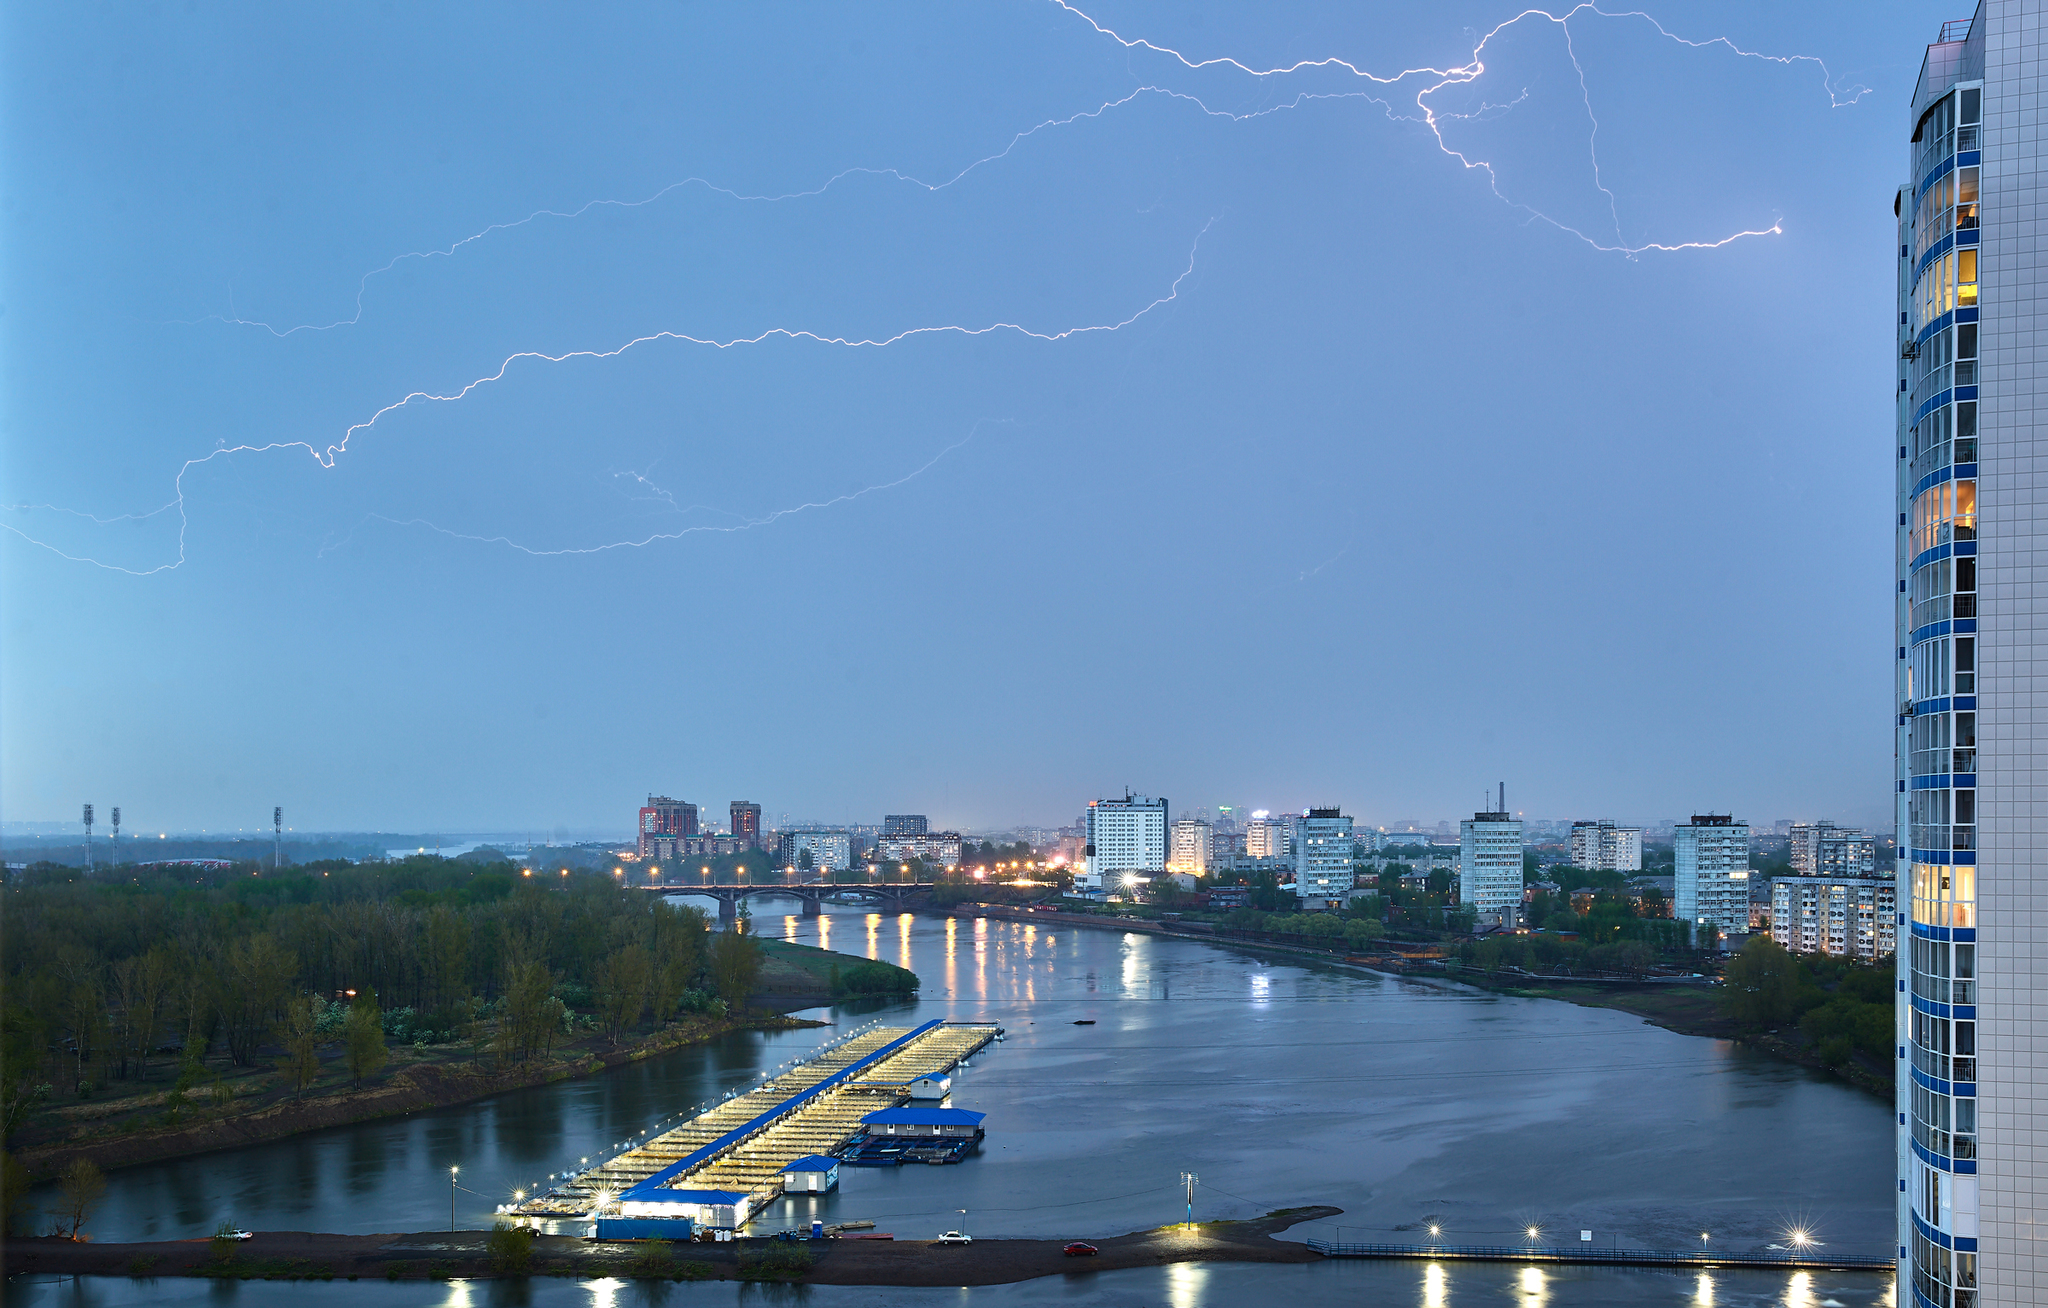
(830, 851)
(940, 847)
(1848, 917)
(1322, 858)
(1126, 838)
(905, 824)
(1710, 876)
(1490, 861)
(1822, 849)
(1604, 847)
(662, 820)
(1974, 1077)
(1267, 836)
(1189, 851)
(746, 822)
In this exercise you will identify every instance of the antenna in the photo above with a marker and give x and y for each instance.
(1503, 798)
(277, 822)
(88, 837)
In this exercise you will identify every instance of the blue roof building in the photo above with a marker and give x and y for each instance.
(915, 1120)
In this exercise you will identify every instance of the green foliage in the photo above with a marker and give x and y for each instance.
(873, 977)
(511, 1248)
(654, 1258)
(735, 966)
(363, 1039)
(80, 1186)
(774, 1260)
(1760, 985)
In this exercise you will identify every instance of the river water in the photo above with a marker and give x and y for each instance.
(1277, 1084)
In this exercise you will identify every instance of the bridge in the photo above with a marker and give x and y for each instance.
(812, 893)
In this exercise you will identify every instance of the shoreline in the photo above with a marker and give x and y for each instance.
(298, 1255)
(418, 1087)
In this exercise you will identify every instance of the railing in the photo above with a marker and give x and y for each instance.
(1588, 1254)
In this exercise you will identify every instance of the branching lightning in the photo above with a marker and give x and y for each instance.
(1424, 82)
(1475, 67)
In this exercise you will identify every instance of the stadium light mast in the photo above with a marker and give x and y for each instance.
(88, 837)
(277, 822)
(115, 839)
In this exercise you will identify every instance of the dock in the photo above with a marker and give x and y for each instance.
(743, 1143)
(1812, 1258)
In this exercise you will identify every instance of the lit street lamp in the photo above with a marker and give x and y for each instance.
(451, 1196)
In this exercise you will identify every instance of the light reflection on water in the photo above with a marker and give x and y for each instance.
(1280, 1084)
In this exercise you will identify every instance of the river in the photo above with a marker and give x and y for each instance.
(1278, 1084)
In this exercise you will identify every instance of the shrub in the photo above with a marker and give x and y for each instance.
(775, 1260)
(653, 1259)
(511, 1248)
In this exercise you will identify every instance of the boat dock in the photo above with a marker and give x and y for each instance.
(744, 1143)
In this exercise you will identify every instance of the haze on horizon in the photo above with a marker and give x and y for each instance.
(1380, 491)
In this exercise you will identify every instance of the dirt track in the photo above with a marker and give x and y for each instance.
(300, 1254)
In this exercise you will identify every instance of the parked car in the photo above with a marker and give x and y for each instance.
(237, 1233)
(954, 1237)
(1080, 1249)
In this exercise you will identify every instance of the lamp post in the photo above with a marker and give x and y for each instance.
(451, 1196)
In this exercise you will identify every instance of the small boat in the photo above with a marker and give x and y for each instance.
(1084, 1021)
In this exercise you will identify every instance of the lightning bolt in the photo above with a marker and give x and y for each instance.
(328, 455)
(1475, 67)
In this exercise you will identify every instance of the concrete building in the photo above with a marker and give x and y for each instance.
(1710, 877)
(746, 822)
(1323, 876)
(905, 824)
(1824, 849)
(661, 818)
(941, 847)
(1126, 840)
(1604, 847)
(1490, 862)
(1190, 848)
(1846, 917)
(830, 851)
(1266, 836)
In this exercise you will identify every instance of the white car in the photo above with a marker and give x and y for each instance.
(237, 1233)
(954, 1237)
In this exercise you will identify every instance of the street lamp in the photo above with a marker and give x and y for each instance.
(1703, 1244)
(451, 1196)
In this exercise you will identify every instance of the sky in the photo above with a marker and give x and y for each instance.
(968, 410)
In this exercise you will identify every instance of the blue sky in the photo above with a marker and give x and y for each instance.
(1366, 485)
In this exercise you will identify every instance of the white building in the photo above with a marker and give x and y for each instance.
(941, 847)
(1710, 876)
(1126, 841)
(1190, 848)
(1490, 863)
(1604, 847)
(830, 851)
(1822, 849)
(1848, 917)
(1322, 858)
(1267, 836)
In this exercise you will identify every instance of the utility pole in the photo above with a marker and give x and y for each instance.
(1188, 1179)
(88, 837)
(277, 822)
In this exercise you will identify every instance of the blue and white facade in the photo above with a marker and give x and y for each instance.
(1969, 495)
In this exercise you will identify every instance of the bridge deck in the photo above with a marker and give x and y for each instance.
(754, 1162)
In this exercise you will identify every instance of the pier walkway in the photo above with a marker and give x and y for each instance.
(1812, 1258)
(744, 1142)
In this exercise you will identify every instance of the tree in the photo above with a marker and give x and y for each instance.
(251, 981)
(300, 1035)
(1760, 986)
(735, 965)
(622, 982)
(80, 1187)
(511, 1247)
(363, 1037)
(804, 861)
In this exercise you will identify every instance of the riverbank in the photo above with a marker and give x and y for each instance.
(416, 1083)
(296, 1255)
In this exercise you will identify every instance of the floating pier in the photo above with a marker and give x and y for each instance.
(744, 1144)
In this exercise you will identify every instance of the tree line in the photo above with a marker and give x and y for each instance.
(131, 973)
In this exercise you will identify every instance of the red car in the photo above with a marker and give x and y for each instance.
(1079, 1249)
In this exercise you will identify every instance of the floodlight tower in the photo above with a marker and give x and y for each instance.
(88, 837)
(115, 844)
(277, 822)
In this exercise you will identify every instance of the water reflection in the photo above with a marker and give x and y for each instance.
(1435, 1287)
